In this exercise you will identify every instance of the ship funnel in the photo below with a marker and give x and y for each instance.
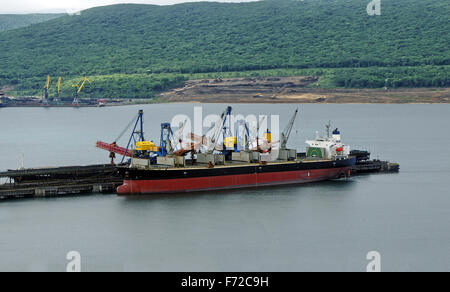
(337, 135)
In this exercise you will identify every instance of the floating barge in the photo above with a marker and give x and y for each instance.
(59, 181)
(364, 165)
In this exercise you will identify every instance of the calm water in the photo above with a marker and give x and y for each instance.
(328, 226)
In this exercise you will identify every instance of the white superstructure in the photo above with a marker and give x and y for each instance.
(329, 147)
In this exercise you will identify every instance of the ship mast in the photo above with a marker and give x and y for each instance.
(328, 129)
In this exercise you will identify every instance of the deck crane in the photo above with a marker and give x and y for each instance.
(196, 142)
(207, 140)
(78, 87)
(187, 148)
(137, 136)
(243, 143)
(263, 144)
(46, 88)
(167, 147)
(171, 139)
(287, 131)
(178, 135)
(258, 127)
(225, 117)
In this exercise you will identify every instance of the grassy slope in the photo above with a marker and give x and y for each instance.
(127, 47)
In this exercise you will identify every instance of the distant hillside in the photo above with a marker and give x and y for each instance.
(12, 21)
(123, 47)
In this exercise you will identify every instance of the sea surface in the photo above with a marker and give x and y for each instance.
(329, 226)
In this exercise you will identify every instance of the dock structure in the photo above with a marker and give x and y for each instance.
(59, 181)
(104, 178)
(366, 166)
(375, 166)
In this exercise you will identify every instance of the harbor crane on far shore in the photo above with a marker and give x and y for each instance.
(46, 88)
(78, 87)
(58, 94)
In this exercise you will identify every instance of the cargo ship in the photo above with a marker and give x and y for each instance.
(165, 170)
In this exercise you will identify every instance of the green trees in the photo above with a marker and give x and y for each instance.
(392, 77)
(334, 39)
(13, 21)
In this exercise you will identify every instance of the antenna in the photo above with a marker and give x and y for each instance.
(328, 127)
(22, 161)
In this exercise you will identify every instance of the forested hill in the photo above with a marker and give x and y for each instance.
(203, 37)
(13, 21)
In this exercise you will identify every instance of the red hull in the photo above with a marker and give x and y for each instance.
(136, 187)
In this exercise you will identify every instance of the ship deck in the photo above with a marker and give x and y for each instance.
(229, 164)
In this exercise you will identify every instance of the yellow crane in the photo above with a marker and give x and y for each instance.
(58, 87)
(78, 87)
(46, 88)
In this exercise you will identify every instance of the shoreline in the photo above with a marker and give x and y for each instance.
(280, 90)
(229, 102)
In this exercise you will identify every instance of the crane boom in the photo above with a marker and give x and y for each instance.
(225, 116)
(244, 125)
(82, 84)
(166, 140)
(78, 87)
(114, 148)
(46, 88)
(178, 135)
(287, 131)
(59, 86)
(47, 84)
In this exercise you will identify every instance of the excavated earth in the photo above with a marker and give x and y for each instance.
(301, 89)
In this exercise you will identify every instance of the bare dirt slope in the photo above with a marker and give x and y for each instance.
(301, 89)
